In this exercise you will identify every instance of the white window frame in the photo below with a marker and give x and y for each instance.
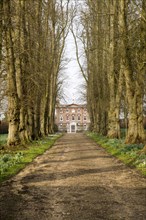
(67, 117)
(61, 118)
(85, 118)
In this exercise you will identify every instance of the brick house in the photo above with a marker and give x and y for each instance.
(72, 118)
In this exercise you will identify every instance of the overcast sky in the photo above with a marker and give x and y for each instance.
(73, 77)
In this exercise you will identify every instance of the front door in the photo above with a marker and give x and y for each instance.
(73, 128)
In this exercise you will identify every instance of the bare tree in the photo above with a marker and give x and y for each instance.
(114, 45)
(134, 77)
(34, 37)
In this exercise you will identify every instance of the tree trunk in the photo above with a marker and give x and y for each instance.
(136, 133)
(13, 100)
(114, 78)
(1, 29)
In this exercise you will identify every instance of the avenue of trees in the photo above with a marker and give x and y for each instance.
(32, 44)
(32, 40)
(114, 41)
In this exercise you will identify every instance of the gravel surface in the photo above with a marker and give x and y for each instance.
(74, 180)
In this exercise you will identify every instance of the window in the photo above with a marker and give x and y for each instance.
(78, 109)
(67, 110)
(73, 117)
(61, 118)
(61, 111)
(79, 118)
(84, 117)
(67, 118)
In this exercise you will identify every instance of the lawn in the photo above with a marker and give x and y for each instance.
(130, 154)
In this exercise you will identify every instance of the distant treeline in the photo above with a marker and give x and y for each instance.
(3, 127)
(124, 123)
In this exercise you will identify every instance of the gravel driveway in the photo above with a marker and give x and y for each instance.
(74, 180)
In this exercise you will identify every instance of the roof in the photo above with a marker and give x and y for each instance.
(71, 105)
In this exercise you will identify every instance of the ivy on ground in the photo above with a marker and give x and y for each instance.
(130, 154)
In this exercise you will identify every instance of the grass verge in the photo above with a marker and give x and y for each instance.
(130, 154)
(11, 162)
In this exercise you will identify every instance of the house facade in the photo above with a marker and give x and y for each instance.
(72, 118)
